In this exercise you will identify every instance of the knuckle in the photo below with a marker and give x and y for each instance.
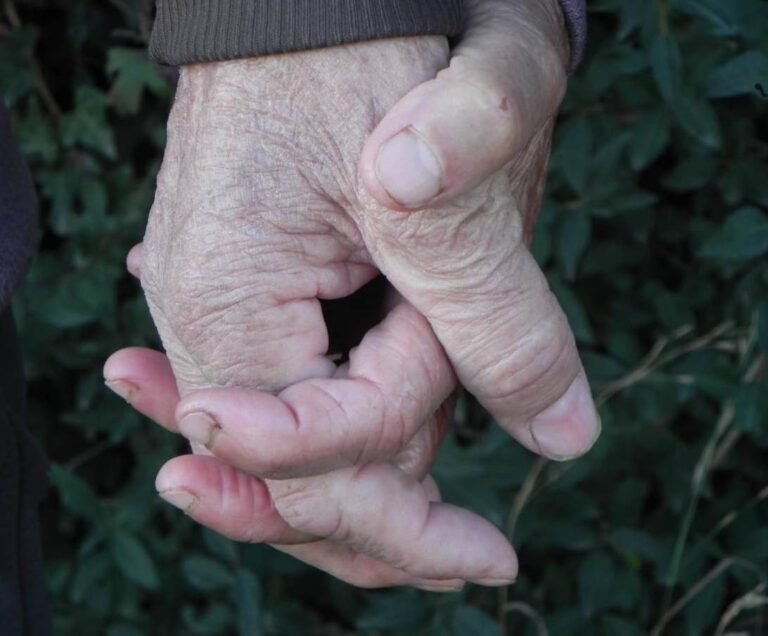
(536, 369)
(388, 433)
(301, 506)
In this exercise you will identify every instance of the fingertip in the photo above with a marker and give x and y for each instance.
(570, 427)
(133, 260)
(172, 475)
(224, 499)
(439, 586)
(408, 170)
(136, 360)
(115, 366)
(442, 140)
(502, 564)
(180, 498)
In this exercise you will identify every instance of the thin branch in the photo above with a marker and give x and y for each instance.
(727, 519)
(700, 473)
(702, 583)
(88, 454)
(529, 612)
(518, 504)
(751, 600)
(656, 359)
(647, 365)
(524, 495)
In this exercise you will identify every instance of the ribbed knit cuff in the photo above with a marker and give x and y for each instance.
(189, 31)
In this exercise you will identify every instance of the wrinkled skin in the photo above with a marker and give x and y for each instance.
(261, 211)
(234, 264)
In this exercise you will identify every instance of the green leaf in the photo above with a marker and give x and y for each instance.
(573, 150)
(205, 573)
(574, 310)
(596, 578)
(751, 404)
(667, 66)
(622, 200)
(706, 608)
(720, 14)
(650, 135)
(615, 626)
(87, 126)
(92, 573)
(470, 621)
(36, 135)
(743, 237)
(124, 630)
(632, 12)
(636, 543)
(573, 237)
(762, 326)
(215, 620)
(247, 595)
(739, 75)
(133, 73)
(400, 611)
(17, 78)
(60, 189)
(290, 617)
(220, 546)
(133, 560)
(691, 174)
(86, 298)
(627, 503)
(697, 118)
(76, 494)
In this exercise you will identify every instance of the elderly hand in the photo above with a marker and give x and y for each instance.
(256, 219)
(261, 211)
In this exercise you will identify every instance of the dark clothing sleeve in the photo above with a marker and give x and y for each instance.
(23, 605)
(189, 31)
(18, 208)
(23, 610)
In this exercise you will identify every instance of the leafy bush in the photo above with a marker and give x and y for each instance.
(653, 234)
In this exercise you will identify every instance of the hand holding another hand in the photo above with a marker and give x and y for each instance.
(264, 208)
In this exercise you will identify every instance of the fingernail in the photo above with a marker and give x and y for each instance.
(443, 589)
(569, 427)
(492, 582)
(199, 427)
(409, 170)
(123, 388)
(182, 499)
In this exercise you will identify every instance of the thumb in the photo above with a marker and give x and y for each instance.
(504, 82)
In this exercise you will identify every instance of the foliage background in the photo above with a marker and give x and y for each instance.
(654, 235)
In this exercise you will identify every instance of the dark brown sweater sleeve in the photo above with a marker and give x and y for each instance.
(188, 31)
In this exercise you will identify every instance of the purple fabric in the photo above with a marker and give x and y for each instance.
(576, 18)
(17, 212)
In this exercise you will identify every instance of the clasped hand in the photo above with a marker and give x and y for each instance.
(293, 179)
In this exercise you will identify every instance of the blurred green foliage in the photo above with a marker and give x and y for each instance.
(654, 235)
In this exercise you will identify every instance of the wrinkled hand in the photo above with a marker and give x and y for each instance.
(260, 211)
(256, 218)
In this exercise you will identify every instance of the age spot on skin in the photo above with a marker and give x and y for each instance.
(504, 104)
